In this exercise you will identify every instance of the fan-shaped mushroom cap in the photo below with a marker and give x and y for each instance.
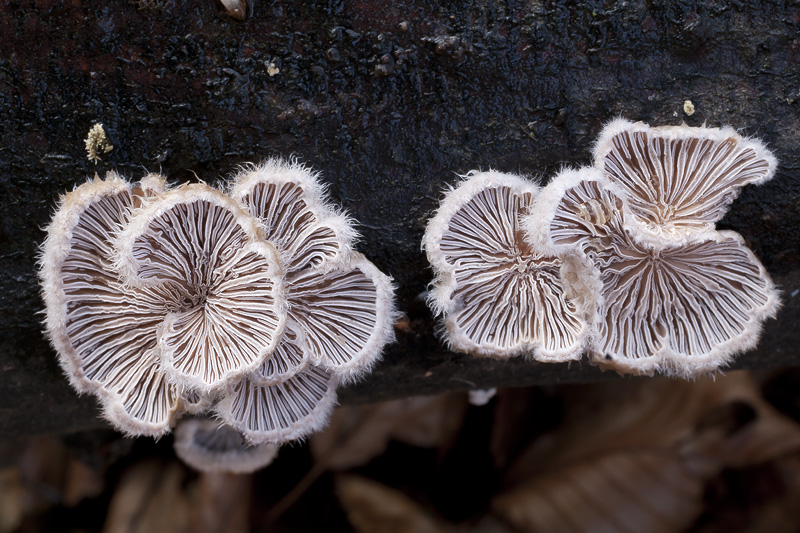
(291, 204)
(346, 315)
(498, 297)
(685, 310)
(680, 308)
(209, 446)
(232, 314)
(576, 208)
(103, 330)
(678, 180)
(280, 412)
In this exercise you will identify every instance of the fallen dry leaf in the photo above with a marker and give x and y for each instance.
(372, 507)
(356, 434)
(645, 413)
(654, 491)
(81, 481)
(636, 455)
(10, 499)
(149, 497)
(222, 503)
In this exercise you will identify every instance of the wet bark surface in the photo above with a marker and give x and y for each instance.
(390, 104)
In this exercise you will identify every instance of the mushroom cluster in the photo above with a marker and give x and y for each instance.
(648, 283)
(249, 303)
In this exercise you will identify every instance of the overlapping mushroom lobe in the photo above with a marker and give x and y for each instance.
(340, 308)
(695, 305)
(340, 302)
(103, 329)
(346, 314)
(279, 412)
(230, 314)
(679, 180)
(208, 446)
(578, 210)
(682, 308)
(290, 204)
(499, 297)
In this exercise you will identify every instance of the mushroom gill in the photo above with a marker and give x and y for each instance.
(340, 307)
(277, 412)
(498, 296)
(291, 205)
(209, 446)
(345, 314)
(165, 302)
(678, 180)
(231, 313)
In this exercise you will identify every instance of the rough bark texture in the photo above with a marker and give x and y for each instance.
(390, 101)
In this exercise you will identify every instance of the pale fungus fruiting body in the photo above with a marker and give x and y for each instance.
(346, 314)
(673, 294)
(338, 300)
(622, 259)
(340, 308)
(284, 411)
(292, 208)
(208, 446)
(498, 296)
(104, 329)
(678, 181)
(163, 301)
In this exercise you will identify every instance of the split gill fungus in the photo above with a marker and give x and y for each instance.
(249, 304)
(621, 260)
(672, 294)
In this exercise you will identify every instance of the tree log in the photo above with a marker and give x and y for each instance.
(390, 101)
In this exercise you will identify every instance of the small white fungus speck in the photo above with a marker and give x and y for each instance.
(480, 397)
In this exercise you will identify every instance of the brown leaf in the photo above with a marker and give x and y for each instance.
(662, 413)
(654, 491)
(636, 455)
(372, 507)
(81, 482)
(223, 503)
(10, 499)
(149, 498)
(42, 465)
(359, 433)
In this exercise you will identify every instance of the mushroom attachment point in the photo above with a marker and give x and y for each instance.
(679, 180)
(499, 297)
(680, 308)
(210, 446)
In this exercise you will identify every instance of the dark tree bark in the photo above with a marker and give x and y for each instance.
(390, 101)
